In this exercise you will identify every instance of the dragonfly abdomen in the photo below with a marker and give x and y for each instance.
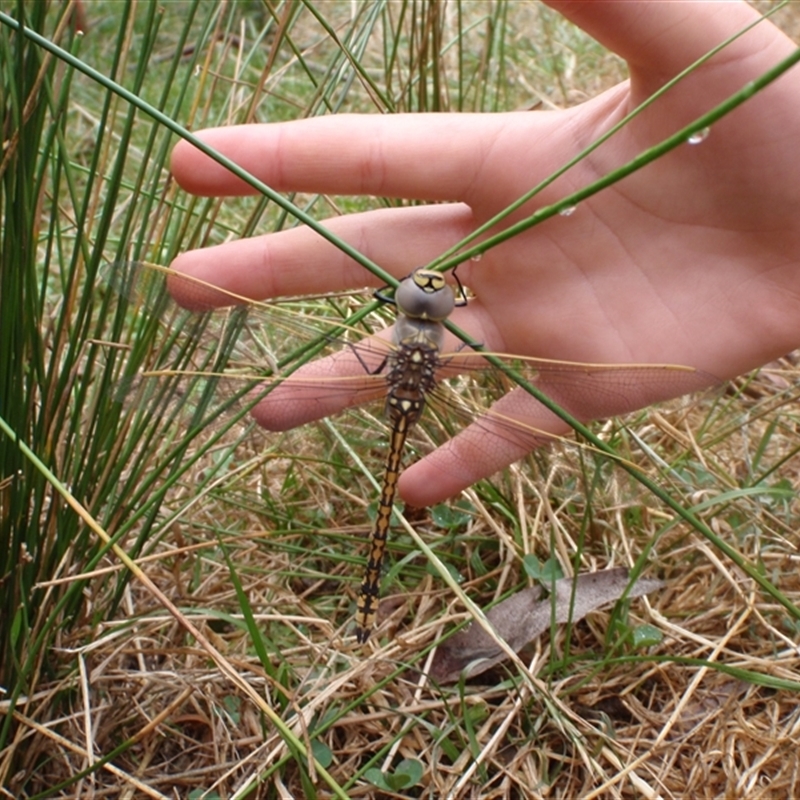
(411, 376)
(370, 589)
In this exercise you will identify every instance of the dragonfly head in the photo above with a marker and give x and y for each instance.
(424, 294)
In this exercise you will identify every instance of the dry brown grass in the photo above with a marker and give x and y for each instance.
(653, 726)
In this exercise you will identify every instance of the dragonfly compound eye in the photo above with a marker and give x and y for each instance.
(425, 295)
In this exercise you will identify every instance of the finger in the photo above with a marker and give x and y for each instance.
(418, 156)
(664, 38)
(481, 450)
(659, 40)
(517, 423)
(299, 261)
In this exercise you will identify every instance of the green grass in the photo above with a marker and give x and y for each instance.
(218, 660)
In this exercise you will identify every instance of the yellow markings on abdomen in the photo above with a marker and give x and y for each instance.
(370, 588)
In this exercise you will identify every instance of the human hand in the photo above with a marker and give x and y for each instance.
(692, 260)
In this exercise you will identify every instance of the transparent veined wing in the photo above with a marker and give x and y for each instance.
(348, 369)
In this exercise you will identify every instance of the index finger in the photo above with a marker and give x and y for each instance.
(414, 156)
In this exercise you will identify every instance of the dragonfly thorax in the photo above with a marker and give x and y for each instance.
(411, 332)
(411, 377)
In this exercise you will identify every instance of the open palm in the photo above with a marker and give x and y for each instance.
(692, 260)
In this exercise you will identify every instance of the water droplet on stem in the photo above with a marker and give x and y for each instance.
(699, 136)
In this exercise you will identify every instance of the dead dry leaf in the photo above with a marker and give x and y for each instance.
(525, 615)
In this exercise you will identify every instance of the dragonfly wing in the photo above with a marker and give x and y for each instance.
(513, 427)
(349, 377)
(265, 335)
(597, 391)
(517, 423)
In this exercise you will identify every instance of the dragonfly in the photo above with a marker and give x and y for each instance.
(424, 301)
(408, 367)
